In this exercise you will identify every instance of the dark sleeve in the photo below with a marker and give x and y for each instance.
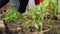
(3, 2)
(23, 5)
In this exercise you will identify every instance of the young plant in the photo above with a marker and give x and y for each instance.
(11, 15)
(38, 14)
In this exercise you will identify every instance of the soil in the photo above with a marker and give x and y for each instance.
(21, 29)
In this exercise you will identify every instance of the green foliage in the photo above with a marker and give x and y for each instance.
(38, 13)
(11, 15)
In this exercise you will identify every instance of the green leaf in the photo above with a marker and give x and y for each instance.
(13, 15)
(29, 21)
(36, 25)
(46, 2)
(34, 17)
(39, 6)
(6, 18)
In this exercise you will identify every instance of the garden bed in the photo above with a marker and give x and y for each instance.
(21, 28)
(39, 20)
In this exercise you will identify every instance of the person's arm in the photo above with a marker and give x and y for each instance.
(3, 2)
(23, 5)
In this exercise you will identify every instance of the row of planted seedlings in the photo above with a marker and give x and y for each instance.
(36, 22)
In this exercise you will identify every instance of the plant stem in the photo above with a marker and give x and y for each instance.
(41, 28)
(46, 30)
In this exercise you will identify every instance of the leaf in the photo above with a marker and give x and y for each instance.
(46, 2)
(34, 17)
(39, 6)
(29, 21)
(33, 10)
(36, 25)
(6, 18)
(13, 15)
(55, 6)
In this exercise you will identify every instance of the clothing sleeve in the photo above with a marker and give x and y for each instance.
(3, 2)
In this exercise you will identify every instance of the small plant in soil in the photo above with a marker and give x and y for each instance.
(46, 9)
(38, 17)
(12, 16)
